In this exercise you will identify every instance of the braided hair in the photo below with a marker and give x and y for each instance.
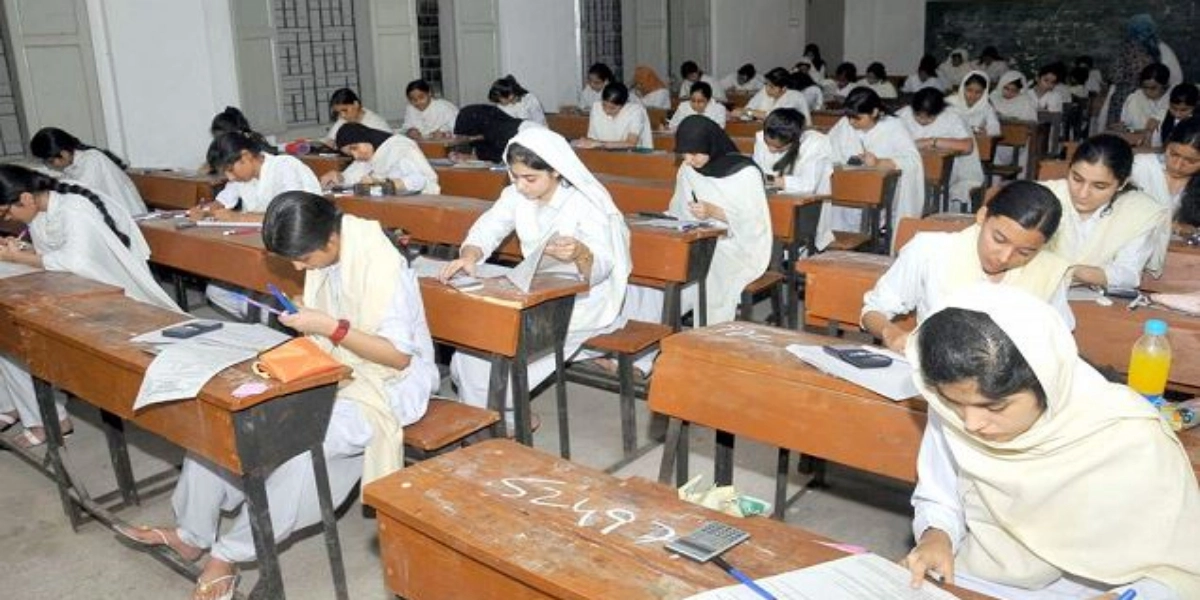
(50, 142)
(16, 180)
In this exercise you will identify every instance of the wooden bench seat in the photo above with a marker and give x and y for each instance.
(769, 282)
(446, 422)
(846, 241)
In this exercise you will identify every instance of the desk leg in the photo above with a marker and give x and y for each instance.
(723, 461)
(701, 318)
(520, 395)
(792, 278)
(560, 393)
(118, 452)
(333, 546)
(675, 451)
(671, 306)
(497, 388)
(270, 579)
(781, 479)
(45, 398)
(180, 286)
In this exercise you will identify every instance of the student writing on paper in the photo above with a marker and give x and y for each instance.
(72, 229)
(380, 157)
(690, 72)
(1010, 99)
(932, 127)
(651, 90)
(363, 306)
(1038, 479)
(699, 103)
(877, 79)
(955, 67)
(599, 75)
(1110, 232)
(743, 81)
(426, 116)
(1004, 246)
(556, 202)
(775, 94)
(798, 161)
(878, 139)
(94, 168)
(490, 129)
(925, 77)
(345, 107)
(617, 121)
(1046, 93)
(515, 100)
(1173, 177)
(231, 120)
(1181, 105)
(992, 63)
(844, 81)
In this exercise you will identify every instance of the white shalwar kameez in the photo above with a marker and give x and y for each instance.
(94, 170)
(438, 117)
(527, 108)
(887, 139)
(718, 93)
(788, 99)
(810, 174)
(967, 172)
(713, 110)
(630, 120)
(397, 158)
(369, 119)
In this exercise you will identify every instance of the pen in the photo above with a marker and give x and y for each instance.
(1128, 595)
(239, 231)
(743, 578)
(266, 307)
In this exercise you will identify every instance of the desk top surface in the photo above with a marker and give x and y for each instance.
(52, 286)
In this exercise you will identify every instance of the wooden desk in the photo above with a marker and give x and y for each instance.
(824, 120)
(484, 184)
(665, 141)
(441, 147)
(495, 521)
(646, 165)
(173, 190)
(42, 287)
(938, 165)
(82, 346)
(1051, 169)
(739, 128)
(325, 163)
(1033, 136)
(1181, 271)
(569, 125)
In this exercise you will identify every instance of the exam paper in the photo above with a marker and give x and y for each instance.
(894, 381)
(11, 269)
(858, 577)
(181, 369)
(429, 267)
(246, 336)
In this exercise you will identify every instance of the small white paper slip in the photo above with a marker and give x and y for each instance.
(894, 381)
(858, 577)
(179, 370)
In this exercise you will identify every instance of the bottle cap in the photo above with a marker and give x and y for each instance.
(1156, 327)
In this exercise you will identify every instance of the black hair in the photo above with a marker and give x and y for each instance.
(341, 96)
(49, 142)
(227, 148)
(1031, 205)
(748, 71)
(976, 79)
(928, 101)
(518, 153)
(230, 119)
(417, 85)
(1085, 61)
(617, 93)
(16, 180)
(1055, 68)
(688, 67)
(778, 77)
(813, 51)
(990, 52)
(847, 70)
(928, 65)
(505, 87)
(1184, 93)
(958, 344)
(802, 81)
(602, 71)
(864, 101)
(878, 70)
(299, 222)
(1187, 132)
(702, 87)
(1017, 83)
(1157, 72)
(1079, 75)
(786, 126)
(1111, 151)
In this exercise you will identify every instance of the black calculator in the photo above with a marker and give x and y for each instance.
(859, 356)
(711, 540)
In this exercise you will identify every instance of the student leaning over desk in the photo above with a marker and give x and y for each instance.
(1110, 231)
(599, 75)
(932, 127)
(426, 116)
(775, 94)
(361, 304)
(1173, 177)
(652, 92)
(94, 168)
(797, 161)
(379, 157)
(1038, 479)
(1003, 247)
(345, 107)
(617, 121)
(699, 103)
(553, 201)
(72, 229)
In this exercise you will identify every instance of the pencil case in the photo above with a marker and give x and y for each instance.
(295, 359)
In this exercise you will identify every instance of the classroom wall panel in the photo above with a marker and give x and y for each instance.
(690, 36)
(644, 36)
(1037, 32)
(475, 60)
(539, 46)
(888, 31)
(393, 45)
(767, 33)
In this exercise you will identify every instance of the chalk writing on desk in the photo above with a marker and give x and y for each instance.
(734, 330)
(549, 493)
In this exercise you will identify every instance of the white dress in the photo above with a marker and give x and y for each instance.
(528, 108)
(810, 174)
(1139, 109)
(967, 172)
(884, 89)
(913, 84)
(660, 98)
(685, 88)
(630, 120)
(887, 139)
(369, 119)
(1051, 101)
(588, 97)
(980, 118)
(730, 82)
(396, 158)
(438, 117)
(714, 110)
(788, 99)
(1149, 175)
(94, 170)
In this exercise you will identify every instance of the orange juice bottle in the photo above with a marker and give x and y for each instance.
(1150, 362)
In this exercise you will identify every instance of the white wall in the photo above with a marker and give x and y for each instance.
(888, 31)
(767, 33)
(165, 68)
(539, 46)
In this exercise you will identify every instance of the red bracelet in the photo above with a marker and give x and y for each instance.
(339, 334)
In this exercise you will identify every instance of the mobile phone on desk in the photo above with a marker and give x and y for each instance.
(855, 161)
(283, 299)
(193, 329)
(859, 356)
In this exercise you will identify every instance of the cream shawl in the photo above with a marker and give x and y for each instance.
(1041, 277)
(1099, 487)
(1134, 215)
(370, 268)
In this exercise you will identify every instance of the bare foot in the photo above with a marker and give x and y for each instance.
(162, 536)
(217, 581)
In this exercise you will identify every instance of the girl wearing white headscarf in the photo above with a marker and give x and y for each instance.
(973, 105)
(1010, 99)
(553, 201)
(380, 156)
(1037, 478)
(956, 66)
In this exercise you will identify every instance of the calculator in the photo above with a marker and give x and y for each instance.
(709, 541)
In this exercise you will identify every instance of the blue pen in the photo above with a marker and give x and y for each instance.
(743, 578)
(283, 300)
(1128, 595)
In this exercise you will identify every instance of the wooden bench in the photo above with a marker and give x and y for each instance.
(627, 344)
(769, 282)
(446, 423)
(1049, 170)
(869, 189)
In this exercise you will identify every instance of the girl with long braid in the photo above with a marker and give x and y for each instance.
(72, 229)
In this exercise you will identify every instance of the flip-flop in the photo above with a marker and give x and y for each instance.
(7, 420)
(26, 440)
(204, 587)
(126, 534)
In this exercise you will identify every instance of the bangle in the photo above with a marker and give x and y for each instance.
(339, 334)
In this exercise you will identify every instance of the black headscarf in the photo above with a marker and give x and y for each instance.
(698, 134)
(495, 125)
(357, 133)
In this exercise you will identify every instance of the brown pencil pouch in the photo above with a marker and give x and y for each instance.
(295, 359)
